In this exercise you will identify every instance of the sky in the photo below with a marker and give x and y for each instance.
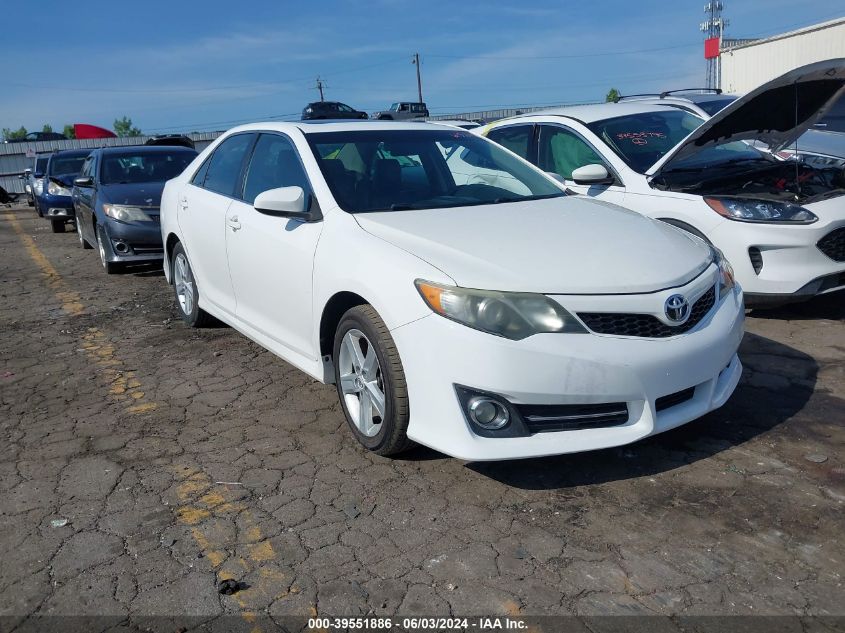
(180, 66)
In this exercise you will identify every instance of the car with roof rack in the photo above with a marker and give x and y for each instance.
(705, 102)
(451, 291)
(780, 223)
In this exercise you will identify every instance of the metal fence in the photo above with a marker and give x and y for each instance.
(15, 157)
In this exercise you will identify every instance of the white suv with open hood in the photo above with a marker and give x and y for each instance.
(780, 223)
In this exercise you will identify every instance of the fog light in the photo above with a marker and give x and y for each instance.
(487, 413)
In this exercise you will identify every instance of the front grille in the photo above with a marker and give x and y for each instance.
(667, 402)
(756, 258)
(544, 418)
(647, 325)
(833, 245)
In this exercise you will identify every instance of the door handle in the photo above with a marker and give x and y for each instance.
(233, 223)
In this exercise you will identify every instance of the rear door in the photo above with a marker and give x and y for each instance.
(202, 208)
(83, 200)
(271, 258)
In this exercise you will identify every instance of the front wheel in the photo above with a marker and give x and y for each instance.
(110, 267)
(185, 288)
(371, 382)
(58, 226)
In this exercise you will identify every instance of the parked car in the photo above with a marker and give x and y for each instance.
(487, 322)
(117, 196)
(172, 140)
(34, 137)
(54, 201)
(781, 224)
(403, 111)
(824, 145)
(331, 110)
(33, 178)
(704, 102)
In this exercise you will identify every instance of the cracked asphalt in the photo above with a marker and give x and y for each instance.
(141, 462)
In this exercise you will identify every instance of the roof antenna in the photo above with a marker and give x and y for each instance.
(797, 157)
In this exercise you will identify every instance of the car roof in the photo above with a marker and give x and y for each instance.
(145, 149)
(335, 125)
(593, 112)
(70, 153)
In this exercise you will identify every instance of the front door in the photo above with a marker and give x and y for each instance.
(271, 258)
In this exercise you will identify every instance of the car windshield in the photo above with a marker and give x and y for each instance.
(65, 165)
(397, 170)
(643, 139)
(133, 167)
(712, 106)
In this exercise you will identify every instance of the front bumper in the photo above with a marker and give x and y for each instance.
(556, 369)
(133, 242)
(56, 207)
(793, 266)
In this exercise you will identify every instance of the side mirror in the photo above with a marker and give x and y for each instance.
(83, 181)
(592, 175)
(556, 176)
(286, 202)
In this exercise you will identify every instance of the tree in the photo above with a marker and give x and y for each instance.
(612, 96)
(69, 131)
(124, 127)
(47, 128)
(14, 134)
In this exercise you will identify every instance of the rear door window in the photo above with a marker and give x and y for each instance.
(516, 138)
(226, 163)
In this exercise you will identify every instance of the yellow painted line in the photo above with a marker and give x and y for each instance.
(123, 385)
(202, 500)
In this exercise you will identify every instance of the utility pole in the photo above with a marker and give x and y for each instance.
(714, 28)
(319, 87)
(416, 62)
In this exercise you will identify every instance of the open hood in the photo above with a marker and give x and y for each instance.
(776, 113)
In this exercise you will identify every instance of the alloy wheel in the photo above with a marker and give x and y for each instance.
(183, 280)
(361, 382)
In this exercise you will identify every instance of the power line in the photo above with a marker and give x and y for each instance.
(577, 56)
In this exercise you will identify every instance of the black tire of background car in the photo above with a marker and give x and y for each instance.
(198, 317)
(110, 267)
(84, 244)
(392, 438)
(58, 226)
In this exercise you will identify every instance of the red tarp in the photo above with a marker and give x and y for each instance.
(83, 130)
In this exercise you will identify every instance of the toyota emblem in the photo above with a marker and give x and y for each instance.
(677, 308)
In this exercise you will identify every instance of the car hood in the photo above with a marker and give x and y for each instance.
(570, 245)
(141, 194)
(776, 113)
(65, 179)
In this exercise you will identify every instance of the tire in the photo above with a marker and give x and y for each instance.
(82, 241)
(110, 267)
(58, 226)
(186, 291)
(362, 326)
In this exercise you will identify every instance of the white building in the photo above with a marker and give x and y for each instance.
(749, 65)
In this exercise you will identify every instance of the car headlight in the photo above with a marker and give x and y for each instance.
(745, 210)
(727, 281)
(126, 214)
(55, 189)
(39, 186)
(513, 315)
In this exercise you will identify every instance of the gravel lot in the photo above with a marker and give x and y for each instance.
(141, 461)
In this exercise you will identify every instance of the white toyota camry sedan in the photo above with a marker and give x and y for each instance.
(487, 321)
(780, 223)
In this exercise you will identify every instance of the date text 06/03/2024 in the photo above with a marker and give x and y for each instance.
(417, 623)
